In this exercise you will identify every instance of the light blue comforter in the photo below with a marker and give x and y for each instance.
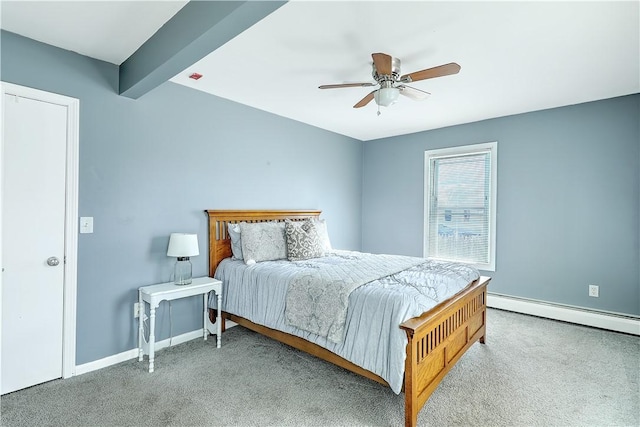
(372, 337)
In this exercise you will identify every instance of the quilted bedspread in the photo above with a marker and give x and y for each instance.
(372, 337)
(318, 295)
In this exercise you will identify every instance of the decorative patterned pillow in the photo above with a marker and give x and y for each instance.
(302, 240)
(263, 241)
(323, 235)
(236, 242)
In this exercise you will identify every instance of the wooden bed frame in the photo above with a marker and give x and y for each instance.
(437, 338)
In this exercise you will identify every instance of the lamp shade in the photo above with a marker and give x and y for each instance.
(386, 96)
(183, 245)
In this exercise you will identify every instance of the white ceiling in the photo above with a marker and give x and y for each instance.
(107, 30)
(515, 56)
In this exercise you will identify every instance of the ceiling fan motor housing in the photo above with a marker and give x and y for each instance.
(395, 72)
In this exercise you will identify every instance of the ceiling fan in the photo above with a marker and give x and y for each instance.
(386, 72)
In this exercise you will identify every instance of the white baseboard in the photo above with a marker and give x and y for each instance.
(133, 353)
(604, 320)
(599, 319)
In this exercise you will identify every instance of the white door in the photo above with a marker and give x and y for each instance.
(33, 239)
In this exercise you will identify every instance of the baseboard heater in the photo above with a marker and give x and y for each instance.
(618, 322)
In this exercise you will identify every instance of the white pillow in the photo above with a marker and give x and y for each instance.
(236, 242)
(263, 241)
(323, 235)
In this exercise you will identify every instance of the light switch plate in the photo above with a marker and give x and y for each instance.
(86, 224)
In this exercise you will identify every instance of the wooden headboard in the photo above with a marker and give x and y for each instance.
(219, 241)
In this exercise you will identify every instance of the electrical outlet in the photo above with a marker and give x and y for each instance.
(594, 291)
(136, 310)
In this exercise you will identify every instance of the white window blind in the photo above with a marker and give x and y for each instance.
(460, 200)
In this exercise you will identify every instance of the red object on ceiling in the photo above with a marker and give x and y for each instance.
(195, 76)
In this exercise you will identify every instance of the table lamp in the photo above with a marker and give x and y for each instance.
(182, 246)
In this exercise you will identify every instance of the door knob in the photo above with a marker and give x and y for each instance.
(53, 261)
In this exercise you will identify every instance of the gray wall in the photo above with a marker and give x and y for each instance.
(568, 200)
(151, 166)
(568, 191)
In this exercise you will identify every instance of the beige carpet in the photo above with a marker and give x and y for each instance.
(553, 374)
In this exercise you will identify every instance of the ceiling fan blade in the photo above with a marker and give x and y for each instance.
(337, 86)
(413, 93)
(364, 101)
(429, 73)
(382, 61)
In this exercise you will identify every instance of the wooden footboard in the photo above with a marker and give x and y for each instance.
(437, 340)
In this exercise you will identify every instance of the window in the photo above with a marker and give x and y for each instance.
(460, 204)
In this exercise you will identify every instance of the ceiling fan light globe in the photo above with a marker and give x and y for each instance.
(386, 96)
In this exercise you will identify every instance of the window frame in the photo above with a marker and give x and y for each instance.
(465, 150)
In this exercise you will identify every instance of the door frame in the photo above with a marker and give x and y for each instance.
(71, 214)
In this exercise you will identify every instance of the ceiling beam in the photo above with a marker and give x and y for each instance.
(198, 29)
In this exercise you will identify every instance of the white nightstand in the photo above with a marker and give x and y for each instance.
(154, 294)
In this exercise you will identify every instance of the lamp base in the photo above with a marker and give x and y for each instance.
(182, 272)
